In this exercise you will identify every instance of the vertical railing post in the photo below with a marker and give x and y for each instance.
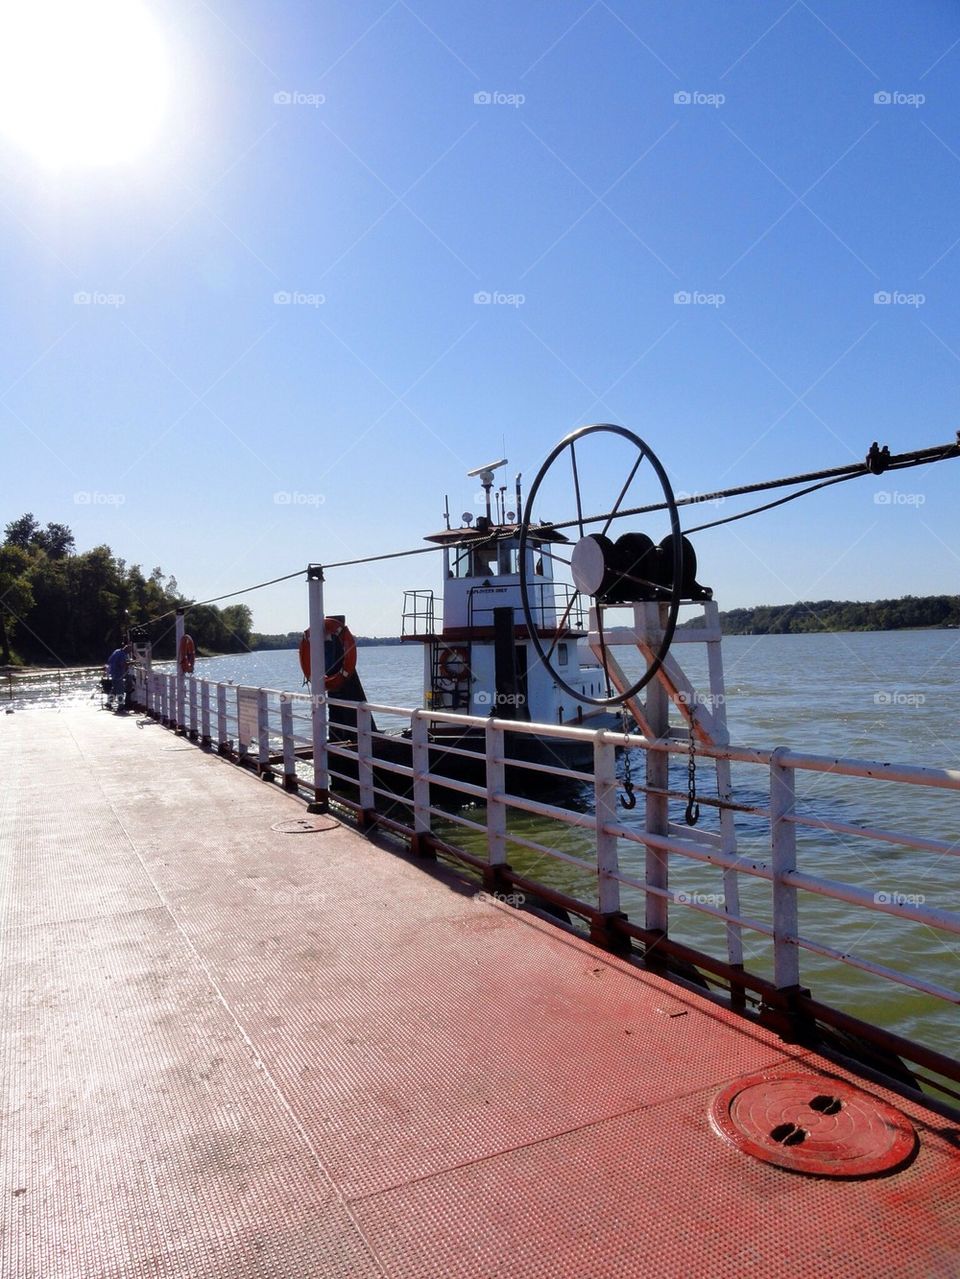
(222, 748)
(205, 712)
(263, 734)
(658, 779)
(193, 706)
(420, 739)
(289, 746)
(368, 798)
(603, 926)
(178, 716)
(783, 842)
(318, 698)
(494, 879)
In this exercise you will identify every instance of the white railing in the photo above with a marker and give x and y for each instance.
(400, 776)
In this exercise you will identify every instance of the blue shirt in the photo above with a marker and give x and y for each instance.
(117, 664)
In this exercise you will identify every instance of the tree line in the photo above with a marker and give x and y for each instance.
(805, 617)
(59, 606)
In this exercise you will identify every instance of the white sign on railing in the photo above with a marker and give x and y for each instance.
(247, 727)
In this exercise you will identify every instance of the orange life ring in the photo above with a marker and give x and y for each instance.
(340, 669)
(187, 655)
(455, 665)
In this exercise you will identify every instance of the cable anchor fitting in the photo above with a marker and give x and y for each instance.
(878, 459)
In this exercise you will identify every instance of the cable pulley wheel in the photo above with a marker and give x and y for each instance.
(606, 571)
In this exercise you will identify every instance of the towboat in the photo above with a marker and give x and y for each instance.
(479, 654)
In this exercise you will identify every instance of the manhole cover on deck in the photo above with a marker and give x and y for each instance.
(305, 825)
(811, 1124)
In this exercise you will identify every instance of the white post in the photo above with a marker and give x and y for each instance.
(179, 677)
(721, 737)
(205, 712)
(605, 789)
(221, 718)
(496, 778)
(263, 733)
(419, 736)
(318, 698)
(193, 706)
(289, 749)
(368, 799)
(658, 778)
(783, 839)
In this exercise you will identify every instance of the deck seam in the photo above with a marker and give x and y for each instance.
(640, 1108)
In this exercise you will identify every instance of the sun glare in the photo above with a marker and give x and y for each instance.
(82, 82)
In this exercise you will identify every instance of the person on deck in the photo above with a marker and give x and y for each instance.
(117, 666)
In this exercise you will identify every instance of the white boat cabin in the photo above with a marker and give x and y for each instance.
(478, 658)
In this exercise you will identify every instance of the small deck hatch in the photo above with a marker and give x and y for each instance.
(793, 1121)
(305, 825)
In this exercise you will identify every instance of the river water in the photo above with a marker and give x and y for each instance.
(888, 696)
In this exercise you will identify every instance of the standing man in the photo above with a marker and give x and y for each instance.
(117, 666)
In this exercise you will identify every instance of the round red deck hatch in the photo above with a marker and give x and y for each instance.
(813, 1124)
(305, 825)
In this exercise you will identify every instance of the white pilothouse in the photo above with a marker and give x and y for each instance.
(477, 651)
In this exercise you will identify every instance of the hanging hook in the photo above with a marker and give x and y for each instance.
(692, 814)
(628, 800)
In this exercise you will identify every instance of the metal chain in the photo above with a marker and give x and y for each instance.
(692, 814)
(628, 799)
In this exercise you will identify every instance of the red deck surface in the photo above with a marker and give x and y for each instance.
(233, 1052)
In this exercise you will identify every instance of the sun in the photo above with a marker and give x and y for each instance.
(82, 82)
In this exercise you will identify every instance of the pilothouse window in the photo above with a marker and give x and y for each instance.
(561, 654)
(509, 558)
(460, 562)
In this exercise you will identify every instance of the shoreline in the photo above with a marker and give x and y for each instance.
(390, 643)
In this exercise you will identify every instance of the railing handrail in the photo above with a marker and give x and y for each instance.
(839, 766)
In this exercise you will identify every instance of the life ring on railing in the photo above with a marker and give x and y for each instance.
(187, 655)
(337, 635)
(455, 665)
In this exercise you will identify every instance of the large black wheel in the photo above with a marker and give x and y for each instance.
(600, 579)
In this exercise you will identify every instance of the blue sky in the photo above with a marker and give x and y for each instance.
(382, 196)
